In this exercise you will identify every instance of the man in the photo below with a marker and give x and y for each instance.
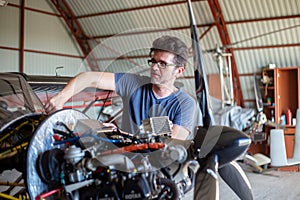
(144, 97)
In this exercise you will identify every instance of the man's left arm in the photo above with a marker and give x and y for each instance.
(187, 120)
(179, 132)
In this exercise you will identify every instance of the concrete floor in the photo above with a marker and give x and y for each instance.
(271, 185)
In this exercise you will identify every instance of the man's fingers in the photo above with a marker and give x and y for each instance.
(49, 107)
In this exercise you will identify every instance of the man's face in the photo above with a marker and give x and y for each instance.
(163, 75)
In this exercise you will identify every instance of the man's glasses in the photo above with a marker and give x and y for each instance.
(161, 65)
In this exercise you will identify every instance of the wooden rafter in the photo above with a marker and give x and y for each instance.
(223, 33)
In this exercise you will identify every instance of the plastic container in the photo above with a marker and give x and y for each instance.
(289, 117)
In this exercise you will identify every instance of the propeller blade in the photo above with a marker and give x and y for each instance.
(236, 179)
(206, 181)
(201, 84)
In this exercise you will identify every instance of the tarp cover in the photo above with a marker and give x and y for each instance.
(233, 116)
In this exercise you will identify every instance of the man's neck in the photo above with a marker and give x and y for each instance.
(163, 90)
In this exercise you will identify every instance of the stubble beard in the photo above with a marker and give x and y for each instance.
(160, 80)
(155, 81)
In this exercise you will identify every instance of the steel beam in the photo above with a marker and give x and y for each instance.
(223, 33)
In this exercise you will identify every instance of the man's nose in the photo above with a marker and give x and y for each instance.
(155, 66)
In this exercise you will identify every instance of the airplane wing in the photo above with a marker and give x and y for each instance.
(47, 86)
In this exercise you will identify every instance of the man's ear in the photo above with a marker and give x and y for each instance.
(180, 70)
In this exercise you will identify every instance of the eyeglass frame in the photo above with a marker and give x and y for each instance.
(160, 65)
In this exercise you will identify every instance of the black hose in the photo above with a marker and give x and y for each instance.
(171, 185)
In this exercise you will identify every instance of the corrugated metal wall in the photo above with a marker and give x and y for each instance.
(261, 32)
(47, 42)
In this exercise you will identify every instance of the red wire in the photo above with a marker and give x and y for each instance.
(134, 147)
(47, 194)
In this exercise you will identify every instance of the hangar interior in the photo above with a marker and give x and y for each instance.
(248, 57)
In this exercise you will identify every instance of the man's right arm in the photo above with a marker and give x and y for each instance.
(100, 80)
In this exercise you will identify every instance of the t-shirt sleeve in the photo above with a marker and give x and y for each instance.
(186, 118)
(126, 83)
(118, 84)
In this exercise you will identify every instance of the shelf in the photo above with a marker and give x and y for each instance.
(268, 106)
(289, 126)
(269, 87)
(286, 85)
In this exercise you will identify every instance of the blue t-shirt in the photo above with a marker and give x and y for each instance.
(140, 103)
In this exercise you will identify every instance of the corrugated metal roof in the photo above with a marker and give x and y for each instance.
(111, 24)
(261, 31)
(237, 10)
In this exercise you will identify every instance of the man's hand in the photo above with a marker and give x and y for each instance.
(179, 132)
(100, 80)
(54, 104)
